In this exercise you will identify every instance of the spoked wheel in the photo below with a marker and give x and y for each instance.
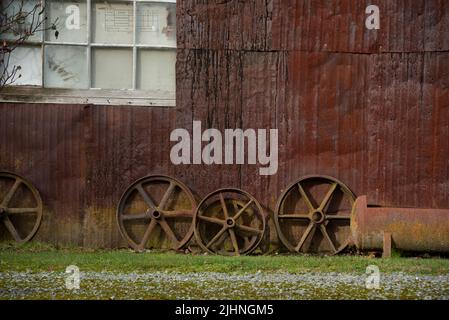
(313, 215)
(20, 207)
(156, 201)
(229, 222)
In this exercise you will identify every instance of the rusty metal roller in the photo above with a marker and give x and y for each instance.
(407, 229)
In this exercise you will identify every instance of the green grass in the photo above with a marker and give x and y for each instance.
(41, 257)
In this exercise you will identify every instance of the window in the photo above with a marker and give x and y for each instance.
(105, 52)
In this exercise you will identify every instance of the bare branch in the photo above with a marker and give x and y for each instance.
(17, 25)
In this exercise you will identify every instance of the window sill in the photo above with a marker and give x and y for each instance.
(29, 94)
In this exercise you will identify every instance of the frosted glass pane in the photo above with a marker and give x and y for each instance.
(157, 70)
(65, 67)
(29, 59)
(112, 68)
(113, 22)
(31, 20)
(156, 24)
(71, 23)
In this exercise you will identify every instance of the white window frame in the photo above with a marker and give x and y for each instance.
(133, 96)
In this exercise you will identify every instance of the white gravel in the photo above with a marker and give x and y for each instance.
(209, 285)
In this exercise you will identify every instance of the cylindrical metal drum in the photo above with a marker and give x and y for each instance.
(411, 229)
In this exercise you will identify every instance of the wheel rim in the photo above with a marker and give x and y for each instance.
(156, 205)
(21, 207)
(229, 222)
(313, 215)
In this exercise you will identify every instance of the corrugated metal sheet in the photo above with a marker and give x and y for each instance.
(46, 144)
(122, 144)
(313, 25)
(368, 107)
(81, 158)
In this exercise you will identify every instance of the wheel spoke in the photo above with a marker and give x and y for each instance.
(21, 210)
(248, 229)
(306, 198)
(178, 214)
(147, 234)
(220, 241)
(11, 193)
(294, 216)
(234, 242)
(243, 210)
(327, 197)
(331, 217)
(343, 245)
(140, 216)
(12, 230)
(212, 220)
(223, 205)
(167, 195)
(304, 237)
(169, 232)
(145, 196)
(326, 235)
(216, 237)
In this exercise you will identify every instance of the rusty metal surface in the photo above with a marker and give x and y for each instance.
(377, 122)
(313, 25)
(81, 158)
(411, 229)
(369, 108)
(45, 144)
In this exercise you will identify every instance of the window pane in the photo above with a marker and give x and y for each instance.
(26, 17)
(156, 24)
(112, 68)
(65, 67)
(29, 60)
(113, 22)
(156, 70)
(71, 21)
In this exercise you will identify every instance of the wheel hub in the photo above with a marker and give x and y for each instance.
(317, 217)
(2, 211)
(230, 222)
(156, 214)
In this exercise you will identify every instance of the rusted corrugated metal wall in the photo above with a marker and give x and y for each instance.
(370, 107)
(82, 158)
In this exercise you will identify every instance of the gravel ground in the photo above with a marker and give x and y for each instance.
(106, 285)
